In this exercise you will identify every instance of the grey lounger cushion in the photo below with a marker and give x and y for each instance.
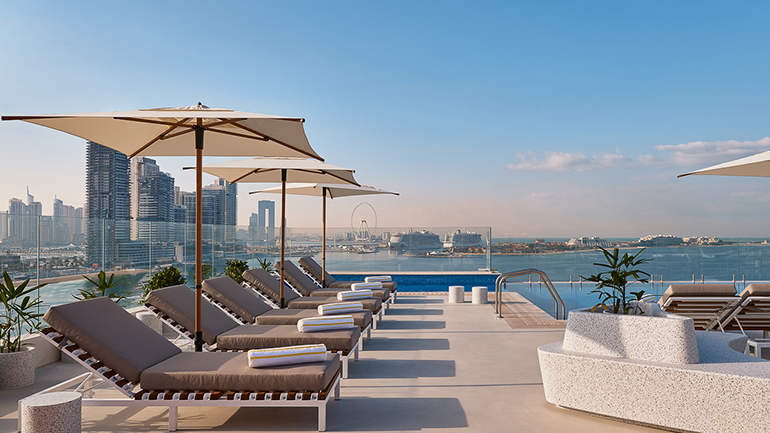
(263, 336)
(241, 301)
(112, 335)
(268, 285)
(291, 316)
(178, 302)
(229, 371)
(254, 310)
(314, 269)
(307, 287)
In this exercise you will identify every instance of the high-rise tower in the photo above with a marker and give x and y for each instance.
(107, 201)
(154, 204)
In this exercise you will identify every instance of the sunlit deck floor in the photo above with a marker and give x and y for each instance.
(431, 366)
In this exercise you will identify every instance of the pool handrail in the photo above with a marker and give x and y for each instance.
(532, 271)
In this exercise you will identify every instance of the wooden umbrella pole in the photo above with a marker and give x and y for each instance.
(283, 225)
(323, 242)
(198, 234)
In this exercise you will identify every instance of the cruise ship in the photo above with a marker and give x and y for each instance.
(462, 240)
(415, 240)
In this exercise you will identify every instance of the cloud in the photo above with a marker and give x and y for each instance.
(704, 152)
(570, 161)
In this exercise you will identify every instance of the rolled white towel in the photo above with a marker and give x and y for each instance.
(366, 286)
(325, 323)
(379, 278)
(351, 295)
(340, 308)
(287, 355)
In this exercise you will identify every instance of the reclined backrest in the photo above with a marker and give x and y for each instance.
(753, 311)
(178, 303)
(241, 301)
(314, 269)
(112, 335)
(298, 279)
(755, 289)
(268, 285)
(697, 290)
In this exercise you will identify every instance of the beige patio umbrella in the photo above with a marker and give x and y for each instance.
(326, 190)
(181, 132)
(752, 166)
(283, 170)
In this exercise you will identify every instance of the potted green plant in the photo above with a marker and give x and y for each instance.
(20, 315)
(266, 265)
(612, 284)
(100, 286)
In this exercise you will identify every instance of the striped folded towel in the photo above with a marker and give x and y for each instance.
(340, 308)
(377, 278)
(351, 295)
(287, 355)
(325, 323)
(366, 286)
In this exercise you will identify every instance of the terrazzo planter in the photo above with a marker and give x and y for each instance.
(17, 369)
(633, 336)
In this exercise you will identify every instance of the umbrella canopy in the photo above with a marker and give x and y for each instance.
(269, 170)
(283, 170)
(326, 190)
(752, 166)
(331, 190)
(180, 132)
(170, 131)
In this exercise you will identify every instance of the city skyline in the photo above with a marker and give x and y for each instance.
(555, 119)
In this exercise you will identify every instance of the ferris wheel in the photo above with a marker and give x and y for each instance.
(361, 217)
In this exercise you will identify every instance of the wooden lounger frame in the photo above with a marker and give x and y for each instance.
(701, 309)
(750, 313)
(189, 338)
(173, 399)
(235, 316)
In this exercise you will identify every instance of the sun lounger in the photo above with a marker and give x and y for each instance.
(314, 270)
(750, 313)
(269, 287)
(121, 352)
(176, 306)
(701, 302)
(305, 285)
(248, 308)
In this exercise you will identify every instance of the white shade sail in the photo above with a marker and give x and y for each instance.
(752, 166)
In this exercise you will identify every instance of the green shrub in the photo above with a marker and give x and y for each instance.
(235, 269)
(100, 286)
(169, 276)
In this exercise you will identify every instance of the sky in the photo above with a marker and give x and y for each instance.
(539, 119)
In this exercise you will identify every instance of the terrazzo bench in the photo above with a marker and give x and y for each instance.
(656, 371)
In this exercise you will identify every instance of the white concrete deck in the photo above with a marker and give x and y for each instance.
(431, 366)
